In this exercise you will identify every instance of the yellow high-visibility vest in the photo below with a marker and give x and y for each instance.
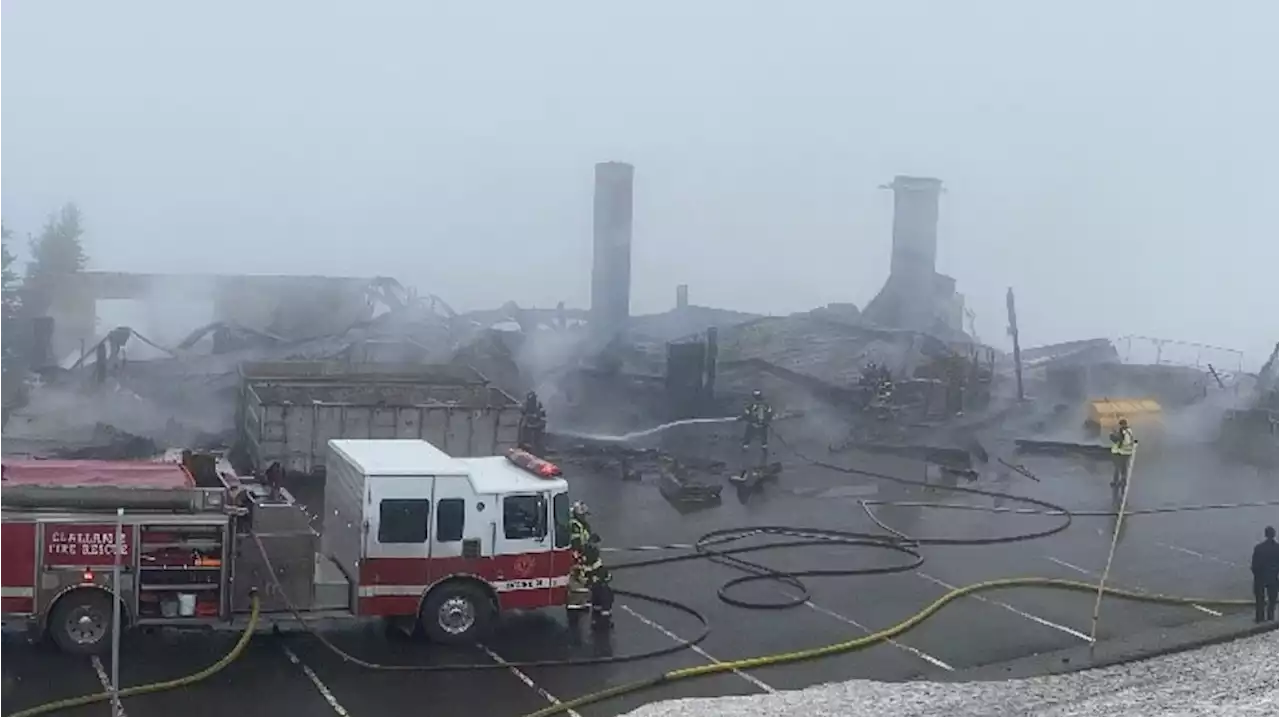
(1124, 446)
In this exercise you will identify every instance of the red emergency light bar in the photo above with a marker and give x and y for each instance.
(533, 464)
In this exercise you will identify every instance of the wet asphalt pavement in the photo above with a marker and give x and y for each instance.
(1204, 554)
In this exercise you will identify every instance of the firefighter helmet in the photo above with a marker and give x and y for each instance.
(757, 394)
(579, 508)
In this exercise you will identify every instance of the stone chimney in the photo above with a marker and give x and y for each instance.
(611, 249)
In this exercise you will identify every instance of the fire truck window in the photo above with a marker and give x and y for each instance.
(403, 520)
(451, 515)
(524, 517)
(560, 508)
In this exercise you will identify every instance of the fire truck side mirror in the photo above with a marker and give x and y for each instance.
(471, 548)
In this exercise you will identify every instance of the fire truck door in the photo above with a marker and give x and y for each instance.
(523, 556)
(561, 557)
(461, 532)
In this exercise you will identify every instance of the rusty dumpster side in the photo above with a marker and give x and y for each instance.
(290, 410)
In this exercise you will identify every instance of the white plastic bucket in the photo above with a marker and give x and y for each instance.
(186, 604)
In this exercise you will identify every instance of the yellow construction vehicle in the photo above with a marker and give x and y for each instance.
(1104, 414)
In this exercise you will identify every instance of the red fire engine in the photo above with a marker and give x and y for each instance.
(405, 532)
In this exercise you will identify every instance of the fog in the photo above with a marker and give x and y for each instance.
(1114, 162)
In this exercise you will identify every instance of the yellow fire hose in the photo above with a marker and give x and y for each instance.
(51, 707)
(868, 640)
(688, 672)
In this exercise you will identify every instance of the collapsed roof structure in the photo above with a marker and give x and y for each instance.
(597, 366)
(192, 380)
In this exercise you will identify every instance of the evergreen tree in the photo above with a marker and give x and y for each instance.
(12, 376)
(55, 253)
(12, 285)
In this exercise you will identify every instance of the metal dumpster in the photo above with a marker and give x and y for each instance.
(289, 410)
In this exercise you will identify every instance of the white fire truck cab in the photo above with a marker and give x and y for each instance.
(406, 532)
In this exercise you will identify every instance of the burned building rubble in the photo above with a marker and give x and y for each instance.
(599, 368)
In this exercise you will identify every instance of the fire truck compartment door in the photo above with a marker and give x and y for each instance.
(397, 526)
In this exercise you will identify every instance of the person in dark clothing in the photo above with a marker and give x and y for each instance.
(117, 338)
(758, 416)
(1266, 570)
(533, 425)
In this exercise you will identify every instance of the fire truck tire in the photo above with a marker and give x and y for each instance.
(80, 622)
(456, 613)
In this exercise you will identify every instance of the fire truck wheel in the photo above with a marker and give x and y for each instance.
(457, 613)
(80, 622)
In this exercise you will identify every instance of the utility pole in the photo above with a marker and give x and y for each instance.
(1017, 350)
(116, 710)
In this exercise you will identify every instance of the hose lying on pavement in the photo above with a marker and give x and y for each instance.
(227, 659)
(904, 626)
(708, 547)
(866, 640)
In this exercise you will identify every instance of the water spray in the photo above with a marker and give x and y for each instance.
(628, 437)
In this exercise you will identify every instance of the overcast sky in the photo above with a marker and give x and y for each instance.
(1113, 161)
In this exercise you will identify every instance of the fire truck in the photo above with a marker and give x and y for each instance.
(406, 532)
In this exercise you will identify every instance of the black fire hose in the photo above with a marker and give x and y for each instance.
(798, 593)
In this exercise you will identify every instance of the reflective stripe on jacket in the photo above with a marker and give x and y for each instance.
(1124, 446)
(579, 532)
(596, 572)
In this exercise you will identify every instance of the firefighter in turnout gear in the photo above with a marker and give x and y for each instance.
(580, 537)
(757, 415)
(1122, 446)
(598, 579)
(580, 534)
(533, 425)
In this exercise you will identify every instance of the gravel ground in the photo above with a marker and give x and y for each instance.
(1237, 679)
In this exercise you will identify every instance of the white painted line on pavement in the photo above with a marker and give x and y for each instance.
(1192, 553)
(1010, 608)
(1069, 566)
(316, 682)
(105, 680)
(850, 621)
(527, 680)
(682, 546)
(1202, 556)
(1132, 587)
(705, 655)
(650, 548)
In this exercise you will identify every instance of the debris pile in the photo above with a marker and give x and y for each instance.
(894, 374)
(1250, 431)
